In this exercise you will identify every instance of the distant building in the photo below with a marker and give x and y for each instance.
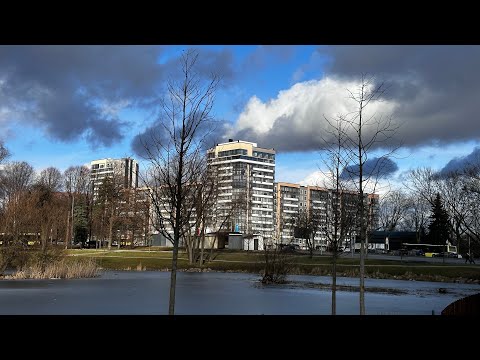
(290, 199)
(126, 168)
(389, 240)
(135, 217)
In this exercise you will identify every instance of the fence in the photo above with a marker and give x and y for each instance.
(469, 305)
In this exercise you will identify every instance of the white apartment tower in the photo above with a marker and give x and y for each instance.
(127, 168)
(245, 176)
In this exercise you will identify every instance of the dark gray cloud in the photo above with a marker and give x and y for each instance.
(70, 91)
(376, 167)
(147, 140)
(435, 87)
(462, 163)
(151, 137)
(281, 137)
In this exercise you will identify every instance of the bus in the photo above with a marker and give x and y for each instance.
(430, 250)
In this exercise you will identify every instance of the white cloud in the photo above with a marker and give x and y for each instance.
(317, 178)
(294, 120)
(381, 187)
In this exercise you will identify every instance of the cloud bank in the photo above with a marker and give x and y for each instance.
(432, 95)
(462, 163)
(73, 92)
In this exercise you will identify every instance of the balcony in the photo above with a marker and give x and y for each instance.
(264, 170)
(262, 209)
(262, 189)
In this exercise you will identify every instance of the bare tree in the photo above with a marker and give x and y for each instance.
(471, 187)
(15, 180)
(366, 132)
(4, 153)
(421, 181)
(416, 216)
(305, 225)
(277, 263)
(47, 202)
(175, 153)
(196, 226)
(426, 183)
(393, 210)
(134, 215)
(341, 203)
(51, 178)
(457, 203)
(77, 183)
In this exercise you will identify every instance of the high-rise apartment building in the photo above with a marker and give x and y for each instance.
(125, 168)
(244, 176)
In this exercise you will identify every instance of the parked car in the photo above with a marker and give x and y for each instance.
(92, 244)
(454, 255)
(288, 247)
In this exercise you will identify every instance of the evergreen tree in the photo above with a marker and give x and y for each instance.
(80, 223)
(439, 223)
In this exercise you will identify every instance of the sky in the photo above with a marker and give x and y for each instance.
(69, 105)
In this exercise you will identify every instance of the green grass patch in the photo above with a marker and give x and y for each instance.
(252, 261)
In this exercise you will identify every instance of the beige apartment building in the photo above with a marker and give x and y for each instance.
(245, 176)
(291, 199)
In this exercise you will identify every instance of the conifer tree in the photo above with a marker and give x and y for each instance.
(439, 228)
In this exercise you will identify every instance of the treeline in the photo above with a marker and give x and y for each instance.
(438, 206)
(51, 207)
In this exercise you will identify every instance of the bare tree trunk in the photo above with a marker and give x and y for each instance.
(213, 245)
(176, 161)
(334, 284)
(67, 233)
(44, 237)
(73, 222)
(173, 279)
(189, 247)
(362, 218)
(110, 229)
(366, 245)
(362, 277)
(201, 248)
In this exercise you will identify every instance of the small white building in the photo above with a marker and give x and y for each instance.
(245, 242)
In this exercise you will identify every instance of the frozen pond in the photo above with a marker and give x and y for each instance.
(132, 293)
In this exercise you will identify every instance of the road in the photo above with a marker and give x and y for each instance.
(413, 259)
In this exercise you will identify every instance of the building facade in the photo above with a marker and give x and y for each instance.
(318, 203)
(244, 174)
(125, 168)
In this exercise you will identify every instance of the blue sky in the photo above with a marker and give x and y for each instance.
(68, 105)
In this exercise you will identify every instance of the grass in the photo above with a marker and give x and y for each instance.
(240, 261)
(62, 269)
